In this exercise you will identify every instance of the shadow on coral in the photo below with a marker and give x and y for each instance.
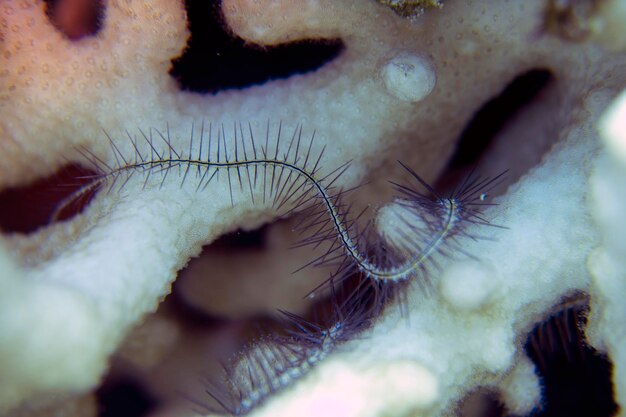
(75, 19)
(25, 209)
(494, 114)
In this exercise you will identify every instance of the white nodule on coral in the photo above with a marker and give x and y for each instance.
(346, 391)
(613, 128)
(521, 391)
(409, 77)
(467, 285)
(408, 387)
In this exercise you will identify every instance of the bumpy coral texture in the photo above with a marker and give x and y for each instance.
(401, 89)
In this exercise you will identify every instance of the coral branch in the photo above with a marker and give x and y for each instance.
(399, 89)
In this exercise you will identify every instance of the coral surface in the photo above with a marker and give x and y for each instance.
(399, 88)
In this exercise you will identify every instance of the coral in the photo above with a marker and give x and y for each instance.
(82, 406)
(410, 9)
(606, 262)
(399, 89)
(480, 326)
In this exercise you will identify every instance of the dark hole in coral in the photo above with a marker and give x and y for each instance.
(124, 397)
(215, 60)
(575, 377)
(492, 117)
(25, 209)
(242, 239)
(75, 18)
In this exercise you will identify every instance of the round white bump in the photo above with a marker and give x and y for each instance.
(520, 389)
(409, 77)
(467, 285)
(407, 386)
(613, 128)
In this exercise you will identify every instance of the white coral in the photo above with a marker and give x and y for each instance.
(72, 291)
(487, 335)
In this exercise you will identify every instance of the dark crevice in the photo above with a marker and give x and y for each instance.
(493, 116)
(576, 379)
(76, 19)
(25, 209)
(190, 314)
(124, 397)
(242, 239)
(216, 60)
